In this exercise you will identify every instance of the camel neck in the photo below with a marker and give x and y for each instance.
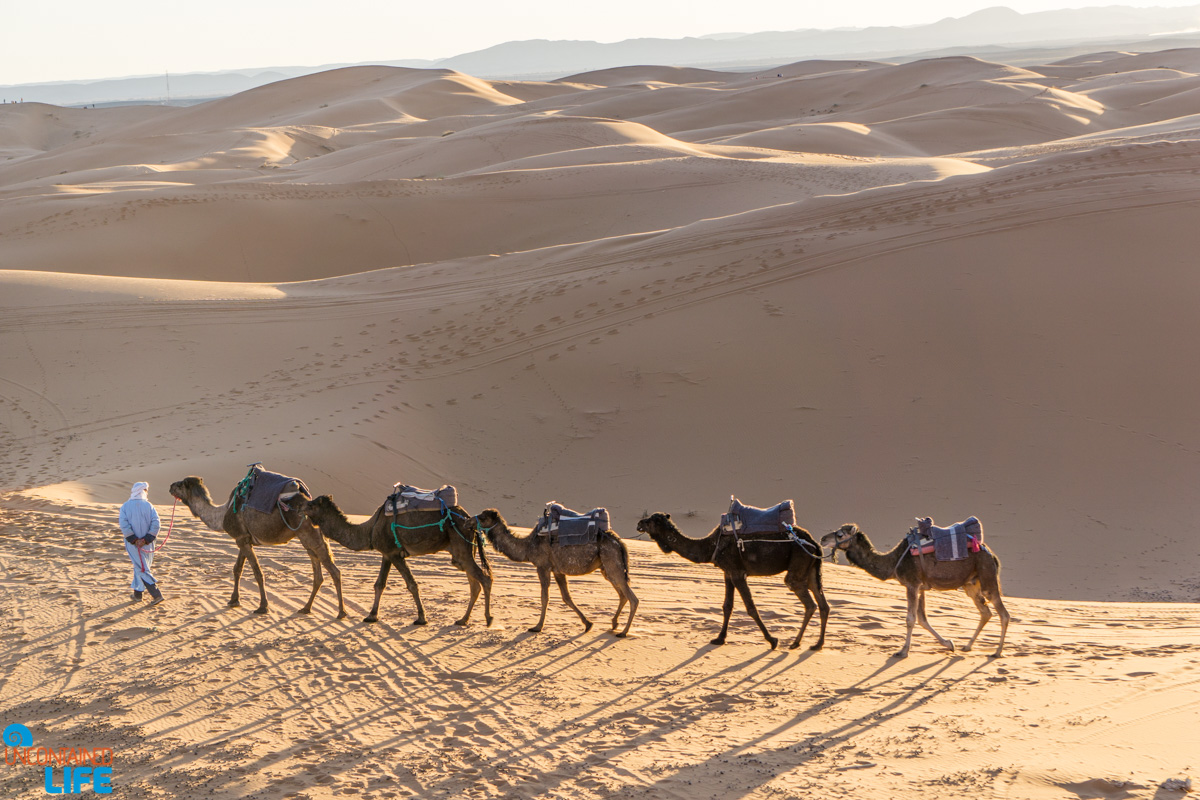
(515, 548)
(212, 516)
(699, 551)
(863, 555)
(346, 533)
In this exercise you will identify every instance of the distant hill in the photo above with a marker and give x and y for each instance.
(979, 32)
(993, 26)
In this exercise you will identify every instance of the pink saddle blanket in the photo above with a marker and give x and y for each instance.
(927, 547)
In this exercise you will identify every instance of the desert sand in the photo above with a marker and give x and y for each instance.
(943, 288)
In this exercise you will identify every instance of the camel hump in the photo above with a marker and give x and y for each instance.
(970, 525)
(742, 518)
(410, 498)
(266, 488)
(567, 527)
(954, 543)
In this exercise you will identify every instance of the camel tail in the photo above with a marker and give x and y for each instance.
(483, 559)
(995, 560)
(817, 580)
(624, 553)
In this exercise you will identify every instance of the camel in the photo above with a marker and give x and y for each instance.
(978, 575)
(419, 533)
(762, 554)
(249, 527)
(608, 553)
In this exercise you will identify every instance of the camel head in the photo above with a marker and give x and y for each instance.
(841, 538)
(655, 526)
(320, 509)
(487, 520)
(189, 488)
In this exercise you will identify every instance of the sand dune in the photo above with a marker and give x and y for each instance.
(844, 138)
(816, 66)
(942, 288)
(625, 76)
(1114, 63)
(387, 93)
(501, 143)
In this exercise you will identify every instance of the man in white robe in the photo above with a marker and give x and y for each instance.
(139, 525)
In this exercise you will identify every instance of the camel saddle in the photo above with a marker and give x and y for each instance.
(954, 543)
(566, 527)
(267, 488)
(748, 519)
(410, 498)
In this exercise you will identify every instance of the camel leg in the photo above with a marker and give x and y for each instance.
(234, 599)
(474, 585)
(336, 574)
(317, 581)
(633, 604)
(993, 595)
(486, 582)
(561, 580)
(380, 584)
(320, 549)
(744, 590)
(401, 565)
(800, 588)
(476, 578)
(910, 620)
(727, 608)
(618, 576)
(484, 579)
(544, 577)
(617, 616)
(946, 643)
(814, 585)
(985, 613)
(626, 593)
(252, 557)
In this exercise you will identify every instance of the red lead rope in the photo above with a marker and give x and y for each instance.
(172, 524)
(169, 527)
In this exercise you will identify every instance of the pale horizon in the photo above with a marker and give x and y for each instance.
(152, 39)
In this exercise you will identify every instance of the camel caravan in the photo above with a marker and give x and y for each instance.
(267, 508)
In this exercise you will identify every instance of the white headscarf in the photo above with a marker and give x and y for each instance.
(139, 491)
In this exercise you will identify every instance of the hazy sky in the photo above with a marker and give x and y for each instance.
(44, 40)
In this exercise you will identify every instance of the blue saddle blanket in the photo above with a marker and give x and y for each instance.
(410, 498)
(566, 527)
(742, 518)
(266, 487)
(953, 543)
